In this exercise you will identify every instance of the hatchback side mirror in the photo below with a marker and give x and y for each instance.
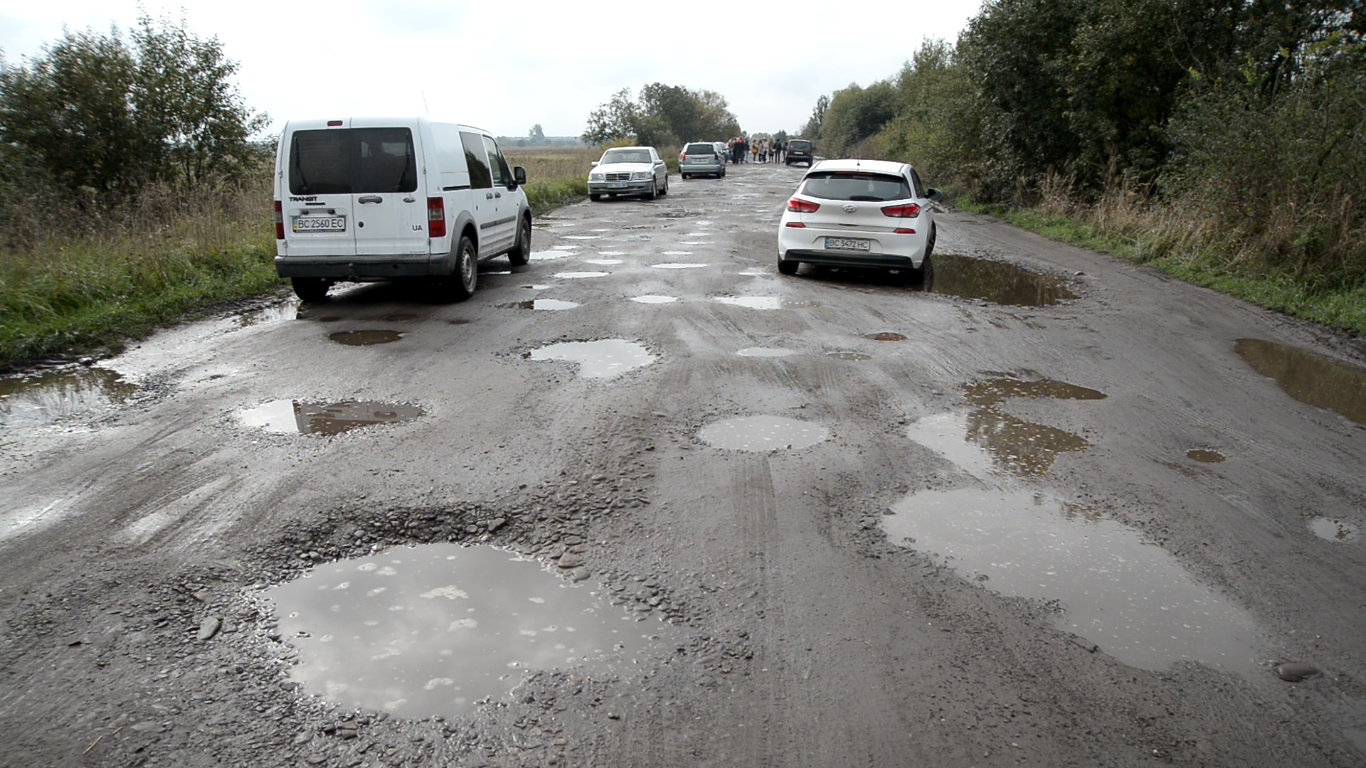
(934, 194)
(519, 175)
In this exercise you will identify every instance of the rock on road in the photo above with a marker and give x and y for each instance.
(963, 554)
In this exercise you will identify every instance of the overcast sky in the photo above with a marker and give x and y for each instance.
(506, 66)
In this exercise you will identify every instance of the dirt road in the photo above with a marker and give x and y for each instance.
(845, 521)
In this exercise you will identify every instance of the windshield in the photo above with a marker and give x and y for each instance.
(799, 146)
(700, 149)
(625, 156)
(856, 187)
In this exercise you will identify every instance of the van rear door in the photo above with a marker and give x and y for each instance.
(317, 211)
(389, 194)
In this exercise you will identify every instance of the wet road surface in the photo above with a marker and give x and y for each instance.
(1051, 509)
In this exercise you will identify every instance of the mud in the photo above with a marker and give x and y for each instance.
(1205, 456)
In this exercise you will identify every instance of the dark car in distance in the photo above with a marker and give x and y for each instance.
(800, 151)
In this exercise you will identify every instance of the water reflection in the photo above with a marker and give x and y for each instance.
(294, 416)
(45, 397)
(1309, 378)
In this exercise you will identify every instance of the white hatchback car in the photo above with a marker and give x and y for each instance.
(628, 171)
(859, 213)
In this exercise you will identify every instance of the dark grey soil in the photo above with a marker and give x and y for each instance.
(137, 537)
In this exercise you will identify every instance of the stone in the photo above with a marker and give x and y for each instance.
(1294, 672)
(496, 523)
(209, 628)
(571, 560)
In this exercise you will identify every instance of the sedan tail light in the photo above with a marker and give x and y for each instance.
(798, 205)
(907, 211)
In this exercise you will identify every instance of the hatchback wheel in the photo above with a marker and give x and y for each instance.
(925, 275)
(788, 267)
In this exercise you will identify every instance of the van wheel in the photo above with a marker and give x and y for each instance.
(310, 290)
(521, 253)
(594, 197)
(461, 283)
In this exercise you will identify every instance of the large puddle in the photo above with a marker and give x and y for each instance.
(1308, 377)
(998, 282)
(597, 359)
(49, 396)
(1331, 529)
(434, 629)
(1020, 447)
(551, 305)
(580, 275)
(1131, 599)
(364, 338)
(763, 433)
(294, 416)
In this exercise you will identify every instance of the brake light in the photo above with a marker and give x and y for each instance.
(796, 225)
(436, 217)
(798, 205)
(682, 156)
(279, 221)
(903, 231)
(334, 123)
(908, 211)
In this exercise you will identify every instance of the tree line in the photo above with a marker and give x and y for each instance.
(662, 116)
(1252, 112)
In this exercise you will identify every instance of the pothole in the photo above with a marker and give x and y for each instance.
(887, 336)
(602, 262)
(549, 255)
(51, 395)
(611, 253)
(277, 314)
(542, 304)
(763, 433)
(998, 282)
(678, 265)
(1205, 456)
(677, 253)
(305, 418)
(434, 629)
(1333, 529)
(582, 237)
(603, 359)
(752, 302)
(1131, 599)
(683, 214)
(654, 299)
(842, 354)
(364, 338)
(1309, 378)
(580, 275)
(765, 352)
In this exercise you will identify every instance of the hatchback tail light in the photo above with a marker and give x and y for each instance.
(798, 205)
(436, 217)
(279, 221)
(907, 211)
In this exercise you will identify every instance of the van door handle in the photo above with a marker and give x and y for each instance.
(498, 194)
(370, 199)
(488, 196)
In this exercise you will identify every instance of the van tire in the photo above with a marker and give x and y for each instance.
(521, 253)
(310, 290)
(460, 285)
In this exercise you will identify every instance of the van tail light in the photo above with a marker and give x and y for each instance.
(436, 217)
(907, 211)
(279, 221)
(798, 205)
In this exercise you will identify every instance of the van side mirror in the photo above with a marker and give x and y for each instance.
(519, 175)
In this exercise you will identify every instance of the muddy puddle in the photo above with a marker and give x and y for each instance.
(277, 314)
(887, 336)
(1331, 529)
(49, 396)
(765, 352)
(654, 299)
(364, 338)
(436, 629)
(752, 302)
(542, 305)
(1205, 456)
(763, 433)
(1131, 599)
(580, 275)
(305, 418)
(603, 359)
(1009, 443)
(998, 282)
(1309, 378)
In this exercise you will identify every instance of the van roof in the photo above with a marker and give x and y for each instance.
(371, 121)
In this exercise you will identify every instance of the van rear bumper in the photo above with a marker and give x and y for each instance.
(365, 267)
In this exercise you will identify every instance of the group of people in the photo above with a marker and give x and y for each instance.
(760, 151)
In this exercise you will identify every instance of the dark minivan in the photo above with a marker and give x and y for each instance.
(800, 151)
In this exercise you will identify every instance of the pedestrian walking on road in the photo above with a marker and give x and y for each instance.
(754, 151)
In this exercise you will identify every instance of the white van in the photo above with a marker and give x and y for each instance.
(370, 198)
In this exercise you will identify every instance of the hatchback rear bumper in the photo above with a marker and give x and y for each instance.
(854, 259)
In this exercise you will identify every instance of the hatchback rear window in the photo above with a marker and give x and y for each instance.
(700, 149)
(858, 187)
(799, 146)
(352, 161)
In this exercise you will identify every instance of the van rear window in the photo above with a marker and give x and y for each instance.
(352, 161)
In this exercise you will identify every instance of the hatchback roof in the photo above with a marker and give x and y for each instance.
(875, 166)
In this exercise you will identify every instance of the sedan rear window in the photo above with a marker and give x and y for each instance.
(352, 161)
(699, 149)
(858, 187)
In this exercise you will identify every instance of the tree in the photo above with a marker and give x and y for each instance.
(536, 134)
(613, 120)
(664, 115)
(855, 114)
(812, 129)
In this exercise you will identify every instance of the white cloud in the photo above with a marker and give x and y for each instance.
(507, 66)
